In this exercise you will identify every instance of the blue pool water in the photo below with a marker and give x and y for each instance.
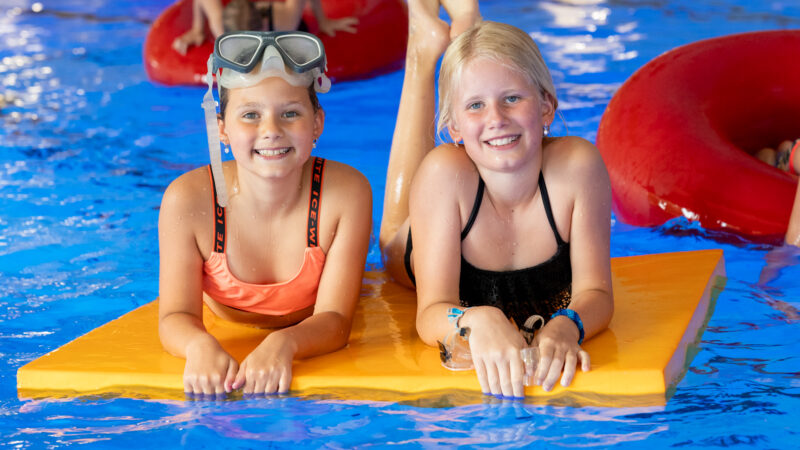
(88, 144)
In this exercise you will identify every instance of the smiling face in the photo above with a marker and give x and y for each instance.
(270, 126)
(499, 114)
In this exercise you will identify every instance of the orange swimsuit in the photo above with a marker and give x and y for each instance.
(276, 299)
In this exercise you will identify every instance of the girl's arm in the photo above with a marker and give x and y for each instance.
(346, 195)
(436, 223)
(591, 268)
(209, 369)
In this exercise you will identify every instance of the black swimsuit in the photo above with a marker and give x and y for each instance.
(542, 289)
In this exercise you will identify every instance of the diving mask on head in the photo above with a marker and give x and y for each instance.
(245, 58)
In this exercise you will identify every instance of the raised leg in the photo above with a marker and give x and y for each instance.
(463, 15)
(414, 131)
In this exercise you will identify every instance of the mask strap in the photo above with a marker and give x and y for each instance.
(212, 130)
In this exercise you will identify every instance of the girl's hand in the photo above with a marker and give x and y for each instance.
(191, 38)
(331, 26)
(268, 368)
(559, 351)
(495, 345)
(209, 369)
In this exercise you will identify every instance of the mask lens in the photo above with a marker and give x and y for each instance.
(239, 49)
(301, 50)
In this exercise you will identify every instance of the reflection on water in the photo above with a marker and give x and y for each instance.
(87, 145)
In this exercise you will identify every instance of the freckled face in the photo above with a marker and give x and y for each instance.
(499, 115)
(271, 126)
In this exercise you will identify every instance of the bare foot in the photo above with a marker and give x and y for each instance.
(189, 39)
(463, 15)
(331, 26)
(428, 35)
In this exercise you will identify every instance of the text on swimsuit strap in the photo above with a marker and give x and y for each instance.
(317, 172)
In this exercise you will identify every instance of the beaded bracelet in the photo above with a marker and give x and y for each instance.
(574, 317)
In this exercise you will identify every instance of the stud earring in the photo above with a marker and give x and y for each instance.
(546, 130)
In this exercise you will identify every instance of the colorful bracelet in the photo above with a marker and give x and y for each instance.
(454, 315)
(574, 317)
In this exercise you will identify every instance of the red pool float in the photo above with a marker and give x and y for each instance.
(377, 47)
(679, 135)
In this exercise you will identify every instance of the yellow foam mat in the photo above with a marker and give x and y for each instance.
(662, 303)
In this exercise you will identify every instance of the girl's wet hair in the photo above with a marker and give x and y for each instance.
(505, 44)
(223, 100)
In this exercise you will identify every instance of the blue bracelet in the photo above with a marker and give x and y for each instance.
(574, 317)
(454, 315)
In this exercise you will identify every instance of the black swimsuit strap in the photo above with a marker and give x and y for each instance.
(548, 210)
(219, 217)
(315, 197)
(407, 259)
(545, 202)
(475, 208)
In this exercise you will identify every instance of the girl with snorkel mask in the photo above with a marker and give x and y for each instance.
(275, 238)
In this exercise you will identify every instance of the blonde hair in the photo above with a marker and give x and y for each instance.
(505, 44)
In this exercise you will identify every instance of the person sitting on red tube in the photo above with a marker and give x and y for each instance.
(239, 15)
(786, 157)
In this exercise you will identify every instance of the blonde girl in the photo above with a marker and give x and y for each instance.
(508, 225)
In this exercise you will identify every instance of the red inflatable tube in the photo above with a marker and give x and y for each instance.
(679, 135)
(377, 47)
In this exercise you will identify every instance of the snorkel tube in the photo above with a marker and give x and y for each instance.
(212, 131)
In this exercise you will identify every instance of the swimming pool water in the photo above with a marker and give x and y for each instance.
(88, 144)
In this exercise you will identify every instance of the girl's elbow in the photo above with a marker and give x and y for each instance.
(425, 335)
(340, 328)
(608, 309)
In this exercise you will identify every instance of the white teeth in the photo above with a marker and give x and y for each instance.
(503, 141)
(277, 152)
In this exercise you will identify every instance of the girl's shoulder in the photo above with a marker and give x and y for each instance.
(190, 192)
(343, 178)
(572, 156)
(448, 160)
(344, 187)
(441, 166)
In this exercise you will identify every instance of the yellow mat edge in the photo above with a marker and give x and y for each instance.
(559, 396)
(679, 364)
